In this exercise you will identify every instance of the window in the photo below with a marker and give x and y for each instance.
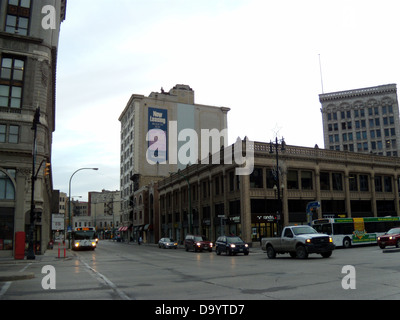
(14, 134)
(7, 191)
(3, 129)
(324, 181)
(387, 182)
(353, 182)
(292, 180)
(363, 182)
(11, 82)
(378, 184)
(256, 178)
(18, 14)
(306, 180)
(10, 136)
(270, 179)
(337, 184)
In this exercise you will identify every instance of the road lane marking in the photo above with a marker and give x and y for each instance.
(7, 285)
(99, 276)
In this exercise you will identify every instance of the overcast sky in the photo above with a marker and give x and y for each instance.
(258, 57)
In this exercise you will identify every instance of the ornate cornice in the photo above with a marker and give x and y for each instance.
(363, 92)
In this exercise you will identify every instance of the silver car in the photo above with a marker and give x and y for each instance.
(167, 243)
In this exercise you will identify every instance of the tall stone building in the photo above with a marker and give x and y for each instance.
(362, 120)
(29, 35)
(155, 132)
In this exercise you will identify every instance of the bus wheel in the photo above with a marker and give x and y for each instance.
(346, 242)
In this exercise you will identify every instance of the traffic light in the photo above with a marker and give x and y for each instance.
(47, 169)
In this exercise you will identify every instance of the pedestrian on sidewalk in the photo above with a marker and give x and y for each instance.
(140, 240)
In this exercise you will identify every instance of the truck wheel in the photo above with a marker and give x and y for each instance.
(301, 252)
(271, 252)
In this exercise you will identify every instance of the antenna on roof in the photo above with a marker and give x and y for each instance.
(320, 71)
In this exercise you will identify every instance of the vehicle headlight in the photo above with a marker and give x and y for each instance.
(390, 238)
(93, 243)
(330, 239)
(76, 244)
(175, 244)
(246, 245)
(379, 238)
(233, 245)
(308, 240)
(198, 244)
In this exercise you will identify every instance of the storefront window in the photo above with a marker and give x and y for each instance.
(6, 229)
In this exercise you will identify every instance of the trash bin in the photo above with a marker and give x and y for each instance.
(19, 251)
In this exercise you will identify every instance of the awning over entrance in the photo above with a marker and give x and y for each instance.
(122, 229)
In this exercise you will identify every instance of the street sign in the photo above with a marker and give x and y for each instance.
(57, 222)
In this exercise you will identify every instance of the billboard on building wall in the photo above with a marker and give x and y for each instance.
(157, 135)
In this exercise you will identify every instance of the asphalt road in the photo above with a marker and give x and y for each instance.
(117, 271)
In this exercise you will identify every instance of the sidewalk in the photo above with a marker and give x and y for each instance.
(14, 275)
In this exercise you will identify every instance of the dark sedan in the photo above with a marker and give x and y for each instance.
(231, 245)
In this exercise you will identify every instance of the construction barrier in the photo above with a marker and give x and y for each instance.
(62, 247)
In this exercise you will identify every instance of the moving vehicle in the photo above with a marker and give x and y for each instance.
(197, 243)
(298, 241)
(84, 238)
(353, 231)
(167, 243)
(390, 238)
(231, 245)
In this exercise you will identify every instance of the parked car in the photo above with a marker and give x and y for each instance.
(231, 245)
(390, 238)
(197, 243)
(167, 243)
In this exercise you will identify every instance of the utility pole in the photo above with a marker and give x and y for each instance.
(36, 121)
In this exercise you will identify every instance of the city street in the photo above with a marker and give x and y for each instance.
(120, 271)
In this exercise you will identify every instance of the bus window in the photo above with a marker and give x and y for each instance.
(327, 229)
(343, 228)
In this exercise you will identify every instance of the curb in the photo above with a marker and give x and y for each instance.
(15, 276)
(392, 250)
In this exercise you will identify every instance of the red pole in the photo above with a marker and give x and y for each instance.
(59, 250)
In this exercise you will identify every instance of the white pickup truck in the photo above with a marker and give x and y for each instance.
(298, 241)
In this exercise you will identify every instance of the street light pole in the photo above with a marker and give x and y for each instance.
(280, 217)
(69, 203)
(31, 252)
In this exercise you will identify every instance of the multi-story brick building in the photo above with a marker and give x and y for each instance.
(362, 120)
(28, 57)
(171, 113)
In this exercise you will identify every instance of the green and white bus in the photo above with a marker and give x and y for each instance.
(353, 231)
